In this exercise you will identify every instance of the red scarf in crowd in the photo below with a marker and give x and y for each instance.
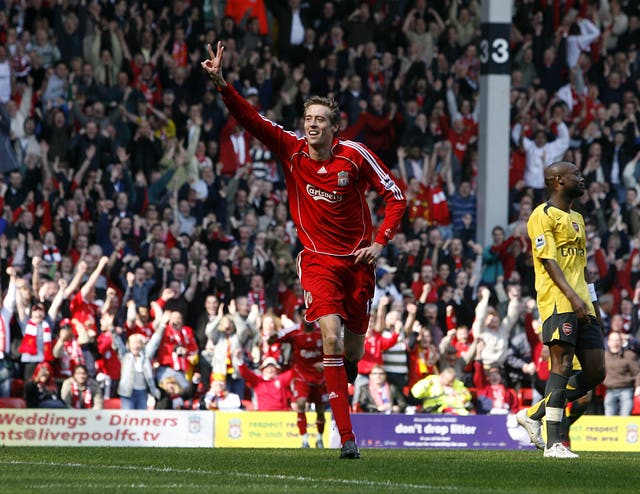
(71, 357)
(439, 210)
(81, 398)
(51, 254)
(258, 299)
(29, 340)
(380, 395)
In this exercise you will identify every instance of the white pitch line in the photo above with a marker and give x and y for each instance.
(118, 486)
(267, 476)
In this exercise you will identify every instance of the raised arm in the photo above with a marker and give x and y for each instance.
(269, 133)
(108, 301)
(77, 278)
(79, 175)
(381, 313)
(401, 152)
(412, 312)
(121, 348)
(36, 262)
(58, 299)
(9, 303)
(21, 304)
(93, 278)
(481, 311)
(159, 325)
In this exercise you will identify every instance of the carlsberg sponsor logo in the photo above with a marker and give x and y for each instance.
(322, 195)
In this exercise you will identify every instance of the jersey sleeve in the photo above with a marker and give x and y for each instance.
(248, 375)
(540, 227)
(388, 187)
(269, 133)
(287, 334)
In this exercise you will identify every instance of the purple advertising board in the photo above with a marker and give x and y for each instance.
(439, 431)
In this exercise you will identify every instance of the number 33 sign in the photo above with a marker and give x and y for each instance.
(494, 49)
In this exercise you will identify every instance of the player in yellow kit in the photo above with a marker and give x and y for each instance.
(567, 305)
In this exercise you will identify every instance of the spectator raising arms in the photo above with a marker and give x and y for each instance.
(114, 143)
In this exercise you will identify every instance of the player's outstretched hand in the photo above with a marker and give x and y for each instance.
(213, 65)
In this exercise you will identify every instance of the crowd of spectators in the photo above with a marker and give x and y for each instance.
(135, 210)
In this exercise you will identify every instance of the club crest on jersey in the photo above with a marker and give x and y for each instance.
(567, 328)
(540, 242)
(343, 179)
(575, 226)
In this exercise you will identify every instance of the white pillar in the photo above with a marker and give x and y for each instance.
(495, 85)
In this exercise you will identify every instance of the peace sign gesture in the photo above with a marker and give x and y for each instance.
(213, 66)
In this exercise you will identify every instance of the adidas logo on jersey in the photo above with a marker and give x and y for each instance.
(322, 171)
(332, 395)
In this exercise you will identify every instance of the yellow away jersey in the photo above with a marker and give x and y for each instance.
(561, 236)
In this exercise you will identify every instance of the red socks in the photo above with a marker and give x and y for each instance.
(336, 379)
(302, 423)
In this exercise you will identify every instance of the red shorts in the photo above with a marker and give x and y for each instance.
(337, 285)
(314, 393)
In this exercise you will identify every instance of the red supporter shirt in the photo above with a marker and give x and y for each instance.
(239, 9)
(109, 363)
(307, 352)
(146, 331)
(83, 311)
(270, 395)
(70, 358)
(172, 339)
(439, 210)
(374, 344)
(327, 198)
(272, 350)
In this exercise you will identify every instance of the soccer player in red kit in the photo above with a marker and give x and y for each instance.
(308, 383)
(327, 179)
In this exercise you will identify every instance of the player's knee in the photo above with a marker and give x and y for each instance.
(332, 344)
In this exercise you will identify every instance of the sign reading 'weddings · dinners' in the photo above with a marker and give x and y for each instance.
(156, 428)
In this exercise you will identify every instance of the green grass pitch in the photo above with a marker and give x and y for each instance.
(182, 471)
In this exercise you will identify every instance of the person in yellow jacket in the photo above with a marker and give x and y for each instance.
(443, 393)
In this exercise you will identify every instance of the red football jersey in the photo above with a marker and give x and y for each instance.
(109, 362)
(327, 198)
(172, 339)
(146, 331)
(83, 311)
(306, 352)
